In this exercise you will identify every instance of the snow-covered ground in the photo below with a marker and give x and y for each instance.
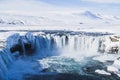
(84, 18)
(38, 15)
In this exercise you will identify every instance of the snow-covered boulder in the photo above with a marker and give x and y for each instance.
(114, 45)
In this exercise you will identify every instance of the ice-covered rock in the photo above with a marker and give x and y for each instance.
(114, 39)
(110, 45)
(115, 67)
(102, 72)
(112, 69)
(117, 63)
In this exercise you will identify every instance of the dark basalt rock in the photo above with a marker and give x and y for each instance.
(16, 48)
(19, 48)
(114, 50)
(66, 40)
(28, 48)
(22, 44)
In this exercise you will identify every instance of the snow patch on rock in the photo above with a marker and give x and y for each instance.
(102, 72)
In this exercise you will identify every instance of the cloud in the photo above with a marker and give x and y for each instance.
(104, 1)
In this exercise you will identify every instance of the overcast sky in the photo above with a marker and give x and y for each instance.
(107, 6)
(99, 6)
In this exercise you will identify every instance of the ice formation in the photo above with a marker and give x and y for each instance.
(55, 43)
(102, 72)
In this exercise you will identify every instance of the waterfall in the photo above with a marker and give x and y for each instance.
(5, 61)
(52, 44)
(78, 45)
(49, 44)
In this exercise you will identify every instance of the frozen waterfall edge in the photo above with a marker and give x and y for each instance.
(50, 44)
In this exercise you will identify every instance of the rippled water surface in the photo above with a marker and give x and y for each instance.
(66, 68)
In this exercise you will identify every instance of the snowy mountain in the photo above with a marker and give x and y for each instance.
(35, 12)
(58, 19)
(91, 15)
(12, 22)
(116, 17)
